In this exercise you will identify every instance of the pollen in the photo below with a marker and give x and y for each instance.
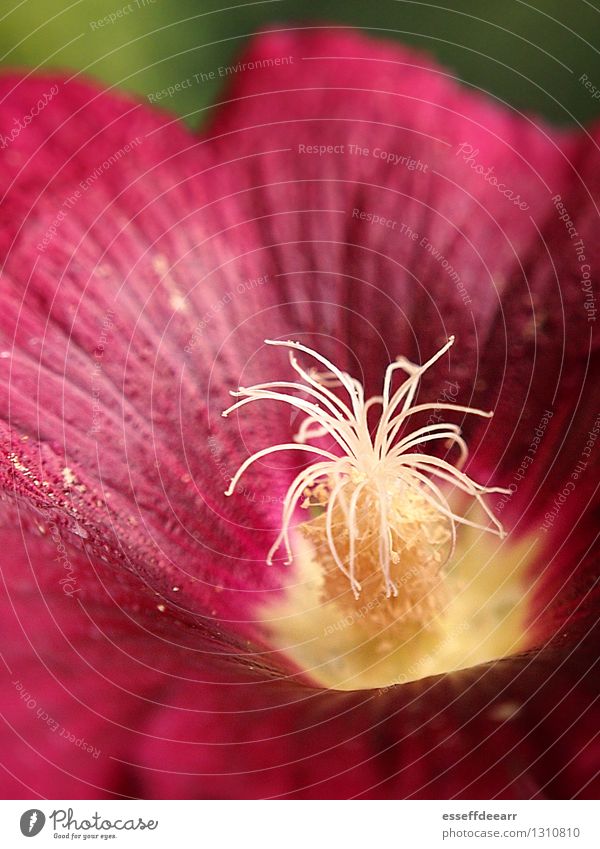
(377, 507)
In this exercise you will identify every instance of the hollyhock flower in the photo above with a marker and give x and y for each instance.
(353, 204)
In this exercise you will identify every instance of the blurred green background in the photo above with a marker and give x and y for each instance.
(531, 54)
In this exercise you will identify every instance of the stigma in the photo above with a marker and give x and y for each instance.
(381, 516)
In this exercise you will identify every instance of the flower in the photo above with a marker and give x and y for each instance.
(352, 197)
(376, 467)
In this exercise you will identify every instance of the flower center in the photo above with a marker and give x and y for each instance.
(382, 535)
(415, 539)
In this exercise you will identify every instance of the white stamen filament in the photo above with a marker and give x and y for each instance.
(381, 470)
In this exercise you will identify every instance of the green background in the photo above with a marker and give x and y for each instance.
(529, 54)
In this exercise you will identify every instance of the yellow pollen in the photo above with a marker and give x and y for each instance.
(413, 593)
(382, 530)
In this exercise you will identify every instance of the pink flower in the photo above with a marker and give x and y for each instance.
(350, 196)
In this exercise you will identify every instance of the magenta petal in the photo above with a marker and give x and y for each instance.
(513, 284)
(132, 305)
(90, 661)
(523, 341)
(108, 268)
(161, 282)
(99, 703)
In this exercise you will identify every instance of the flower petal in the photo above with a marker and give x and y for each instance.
(147, 262)
(492, 240)
(276, 232)
(100, 701)
(109, 264)
(519, 335)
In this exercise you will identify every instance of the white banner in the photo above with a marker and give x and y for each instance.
(298, 824)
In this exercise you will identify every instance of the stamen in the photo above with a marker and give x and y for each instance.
(384, 523)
